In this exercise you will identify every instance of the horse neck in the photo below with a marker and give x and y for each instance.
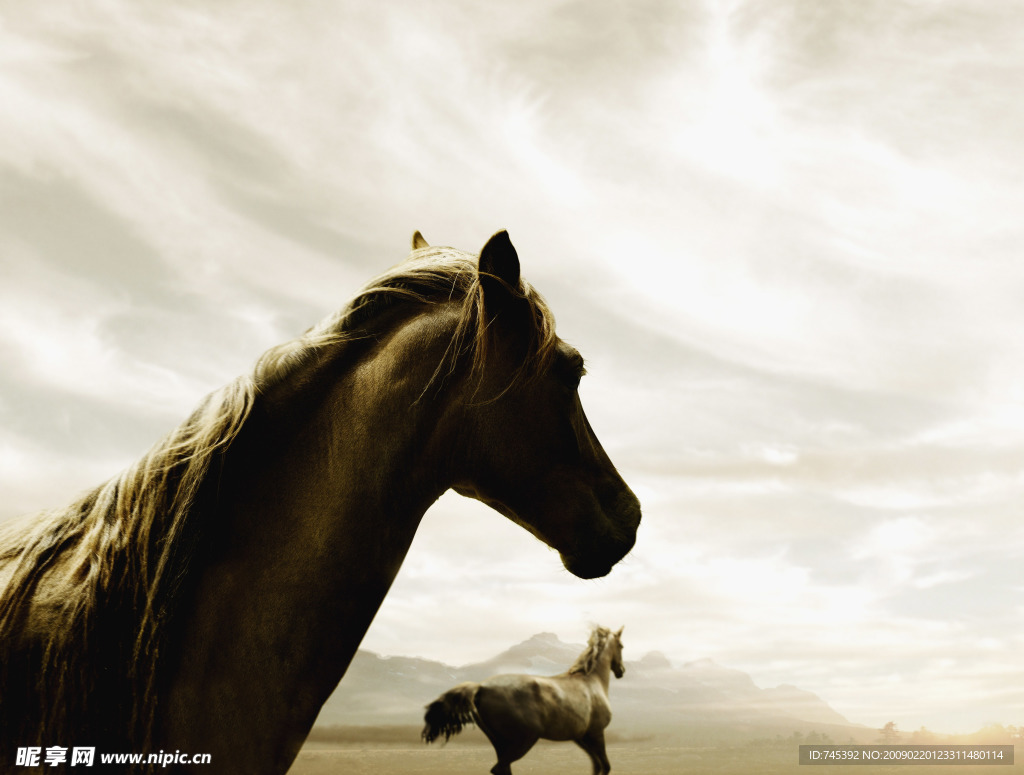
(344, 434)
(349, 455)
(603, 669)
(322, 493)
(600, 674)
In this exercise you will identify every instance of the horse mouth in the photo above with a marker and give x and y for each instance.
(586, 568)
(593, 565)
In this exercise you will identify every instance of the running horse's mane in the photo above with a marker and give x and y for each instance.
(106, 571)
(587, 661)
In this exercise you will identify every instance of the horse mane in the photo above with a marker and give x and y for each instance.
(429, 275)
(92, 589)
(120, 552)
(587, 661)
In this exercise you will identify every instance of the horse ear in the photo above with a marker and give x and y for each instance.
(498, 267)
(418, 241)
(619, 633)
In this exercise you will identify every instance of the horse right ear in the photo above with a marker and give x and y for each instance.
(418, 241)
(498, 270)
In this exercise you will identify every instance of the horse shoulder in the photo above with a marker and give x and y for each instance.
(589, 697)
(601, 710)
(575, 693)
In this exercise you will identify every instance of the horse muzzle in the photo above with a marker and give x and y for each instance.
(595, 562)
(595, 555)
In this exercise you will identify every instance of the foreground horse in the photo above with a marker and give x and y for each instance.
(515, 711)
(210, 598)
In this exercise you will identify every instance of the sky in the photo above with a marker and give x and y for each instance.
(785, 235)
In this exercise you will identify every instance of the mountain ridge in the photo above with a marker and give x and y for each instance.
(654, 696)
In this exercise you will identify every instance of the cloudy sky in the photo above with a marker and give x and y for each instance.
(786, 235)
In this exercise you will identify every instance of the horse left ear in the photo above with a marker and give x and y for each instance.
(418, 241)
(498, 268)
(619, 633)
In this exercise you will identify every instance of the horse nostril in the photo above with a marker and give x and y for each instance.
(623, 508)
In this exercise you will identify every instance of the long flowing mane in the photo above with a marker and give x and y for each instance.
(89, 593)
(587, 661)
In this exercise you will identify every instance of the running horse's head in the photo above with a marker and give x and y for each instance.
(527, 449)
(615, 644)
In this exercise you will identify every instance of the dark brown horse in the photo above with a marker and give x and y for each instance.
(210, 598)
(515, 711)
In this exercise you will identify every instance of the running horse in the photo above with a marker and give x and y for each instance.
(515, 711)
(210, 597)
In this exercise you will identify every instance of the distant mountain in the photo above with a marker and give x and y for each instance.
(543, 654)
(654, 697)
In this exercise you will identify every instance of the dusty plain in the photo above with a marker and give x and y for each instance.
(473, 756)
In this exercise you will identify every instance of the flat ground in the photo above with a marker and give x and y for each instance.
(567, 759)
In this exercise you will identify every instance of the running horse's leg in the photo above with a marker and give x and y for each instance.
(593, 744)
(509, 749)
(497, 719)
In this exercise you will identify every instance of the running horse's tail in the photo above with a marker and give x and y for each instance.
(450, 712)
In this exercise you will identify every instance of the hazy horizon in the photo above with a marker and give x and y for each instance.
(785, 236)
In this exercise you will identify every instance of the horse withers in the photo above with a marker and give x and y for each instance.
(515, 711)
(209, 598)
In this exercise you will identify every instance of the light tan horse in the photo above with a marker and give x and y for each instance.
(210, 598)
(515, 711)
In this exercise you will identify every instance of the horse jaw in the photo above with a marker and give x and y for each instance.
(585, 561)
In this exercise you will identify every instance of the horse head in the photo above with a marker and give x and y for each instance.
(527, 449)
(615, 644)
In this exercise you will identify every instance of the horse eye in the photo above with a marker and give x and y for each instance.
(568, 370)
(575, 371)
